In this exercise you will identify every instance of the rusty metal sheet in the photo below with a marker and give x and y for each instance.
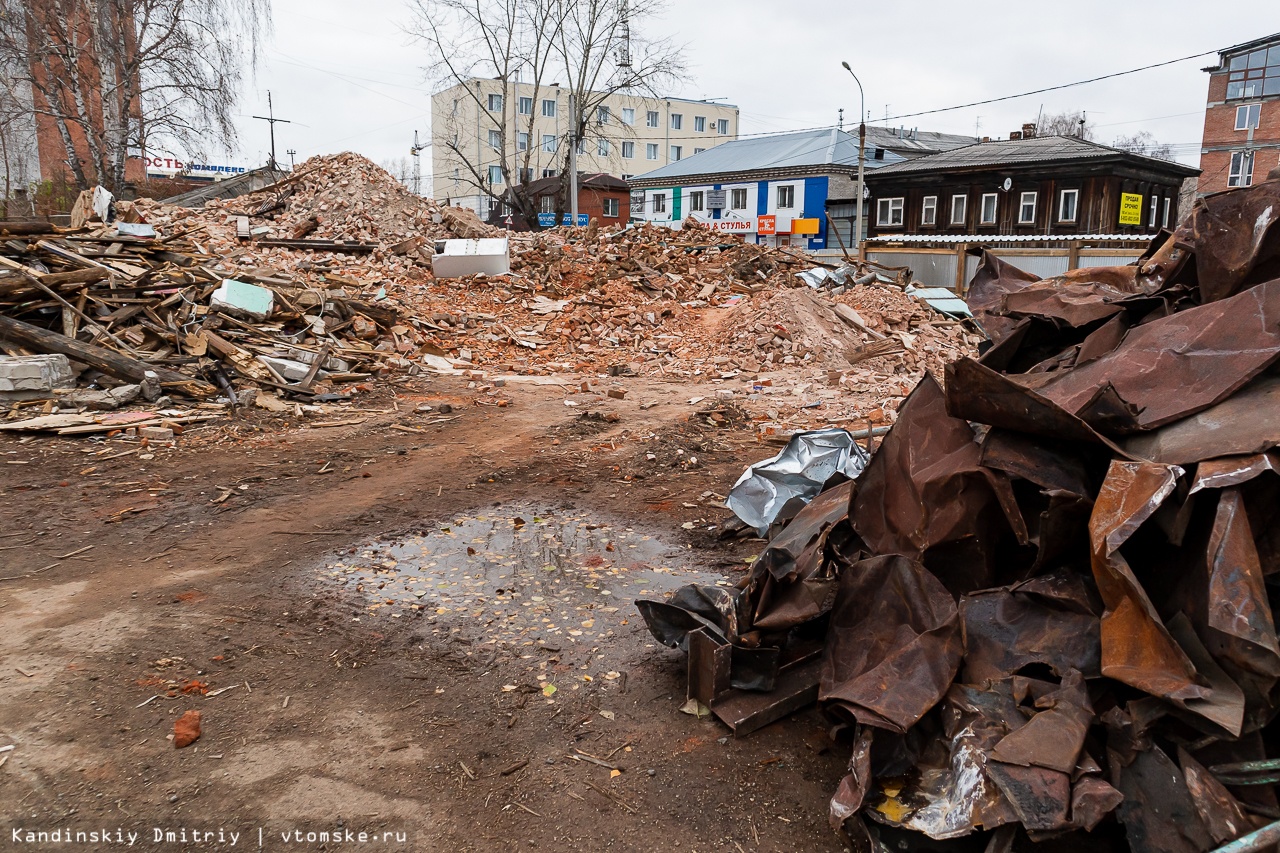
(925, 489)
(1244, 423)
(1049, 620)
(1074, 304)
(893, 646)
(1054, 737)
(1222, 813)
(1158, 812)
(991, 282)
(1207, 353)
(1238, 604)
(1236, 239)
(691, 607)
(1092, 799)
(1040, 797)
(1233, 470)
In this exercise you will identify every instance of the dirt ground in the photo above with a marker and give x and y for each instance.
(140, 583)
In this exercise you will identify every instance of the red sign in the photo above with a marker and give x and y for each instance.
(768, 224)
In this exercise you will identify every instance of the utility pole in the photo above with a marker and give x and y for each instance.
(862, 157)
(417, 164)
(270, 118)
(291, 152)
(840, 123)
(573, 160)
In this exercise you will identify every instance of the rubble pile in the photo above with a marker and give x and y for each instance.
(1043, 614)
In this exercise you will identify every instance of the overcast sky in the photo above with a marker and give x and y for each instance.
(349, 78)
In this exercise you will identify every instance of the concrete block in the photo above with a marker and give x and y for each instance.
(294, 371)
(155, 433)
(28, 377)
(491, 256)
(243, 300)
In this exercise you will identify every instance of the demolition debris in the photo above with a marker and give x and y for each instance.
(1044, 610)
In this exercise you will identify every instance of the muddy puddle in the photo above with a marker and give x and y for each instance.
(518, 573)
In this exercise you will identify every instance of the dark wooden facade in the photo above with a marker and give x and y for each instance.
(1099, 186)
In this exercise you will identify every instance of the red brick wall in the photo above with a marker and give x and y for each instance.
(1220, 132)
(591, 202)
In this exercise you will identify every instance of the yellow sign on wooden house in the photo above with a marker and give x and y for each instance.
(1130, 209)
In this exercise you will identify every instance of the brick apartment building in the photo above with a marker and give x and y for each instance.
(1242, 116)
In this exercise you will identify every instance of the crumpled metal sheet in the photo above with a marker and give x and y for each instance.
(991, 282)
(1236, 237)
(1158, 811)
(782, 484)
(1243, 423)
(893, 623)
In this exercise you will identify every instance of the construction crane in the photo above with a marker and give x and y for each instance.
(417, 163)
(624, 47)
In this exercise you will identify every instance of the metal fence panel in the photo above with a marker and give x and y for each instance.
(930, 269)
(1118, 260)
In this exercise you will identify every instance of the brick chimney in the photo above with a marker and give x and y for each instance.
(1029, 130)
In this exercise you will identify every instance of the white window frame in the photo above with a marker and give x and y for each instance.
(628, 115)
(1168, 203)
(602, 115)
(548, 173)
(522, 141)
(495, 139)
(525, 106)
(698, 150)
(495, 176)
(963, 198)
(889, 211)
(722, 126)
(602, 148)
(733, 198)
(1248, 116)
(677, 121)
(611, 203)
(1074, 195)
(547, 204)
(1023, 219)
(1241, 169)
(659, 202)
(549, 143)
(677, 151)
(548, 108)
(628, 149)
(697, 201)
(582, 147)
(495, 102)
(699, 124)
(1155, 211)
(995, 209)
(929, 210)
(786, 197)
(651, 118)
(651, 151)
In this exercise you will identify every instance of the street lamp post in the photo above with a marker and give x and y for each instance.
(862, 156)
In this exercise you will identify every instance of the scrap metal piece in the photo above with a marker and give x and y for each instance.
(1236, 239)
(781, 485)
(1222, 813)
(991, 281)
(1244, 423)
(894, 644)
(1158, 811)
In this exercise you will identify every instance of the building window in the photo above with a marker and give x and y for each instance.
(889, 211)
(660, 203)
(929, 210)
(525, 105)
(495, 175)
(582, 146)
(1027, 209)
(522, 142)
(651, 151)
(548, 173)
(786, 197)
(698, 150)
(1254, 74)
(1068, 201)
(611, 207)
(628, 149)
(677, 121)
(628, 115)
(495, 103)
(602, 147)
(602, 115)
(700, 124)
(1247, 116)
(988, 209)
(547, 204)
(959, 205)
(696, 200)
(549, 108)
(526, 174)
(1241, 174)
(675, 152)
(1168, 202)
(738, 199)
(1155, 211)
(548, 143)
(495, 139)
(651, 118)
(722, 126)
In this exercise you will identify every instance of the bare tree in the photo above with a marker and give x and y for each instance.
(576, 45)
(18, 156)
(1065, 124)
(401, 169)
(1144, 143)
(120, 78)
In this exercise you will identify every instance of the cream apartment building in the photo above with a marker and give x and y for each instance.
(628, 135)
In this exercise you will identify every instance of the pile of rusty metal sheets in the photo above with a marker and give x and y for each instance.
(1044, 614)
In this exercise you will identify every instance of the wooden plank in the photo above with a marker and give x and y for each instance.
(110, 362)
(92, 275)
